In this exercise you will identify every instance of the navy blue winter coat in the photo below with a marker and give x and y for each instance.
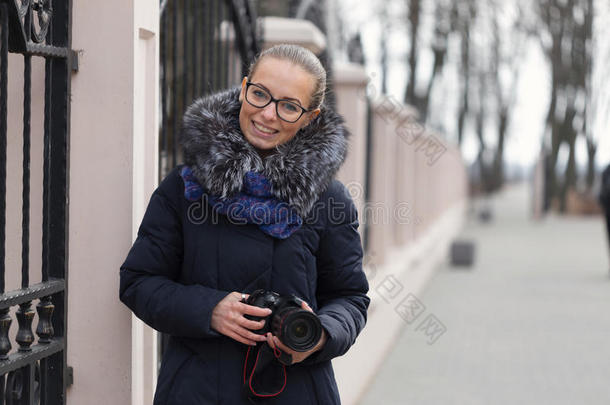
(186, 258)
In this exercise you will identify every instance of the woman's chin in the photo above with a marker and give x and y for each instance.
(263, 147)
(260, 142)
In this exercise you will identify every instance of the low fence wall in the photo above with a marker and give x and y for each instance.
(414, 174)
(413, 205)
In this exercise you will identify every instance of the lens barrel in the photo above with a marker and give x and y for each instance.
(297, 328)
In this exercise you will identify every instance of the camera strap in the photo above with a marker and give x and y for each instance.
(264, 375)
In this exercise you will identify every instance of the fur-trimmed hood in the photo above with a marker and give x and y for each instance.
(219, 154)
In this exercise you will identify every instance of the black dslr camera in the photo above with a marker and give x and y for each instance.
(297, 328)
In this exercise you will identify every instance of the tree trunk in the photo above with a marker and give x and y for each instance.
(439, 47)
(465, 79)
(413, 16)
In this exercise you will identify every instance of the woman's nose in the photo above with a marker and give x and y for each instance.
(269, 111)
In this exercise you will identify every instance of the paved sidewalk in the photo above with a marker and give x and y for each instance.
(528, 324)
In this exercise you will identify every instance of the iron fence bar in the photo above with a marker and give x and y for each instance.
(3, 129)
(184, 79)
(194, 43)
(222, 44)
(217, 44)
(193, 52)
(205, 61)
(214, 45)
(55, 393)
(27, 396)
(174, 79)
(184, 73)
(208, 50)
(163, 56)
(25, 218)
(201, 33)
(226, 48)
(45, 169)
(59, 146)
(238, 26)
(253, 32)
(58, 223)
(32, 394)
(232, 52)
(44, 381)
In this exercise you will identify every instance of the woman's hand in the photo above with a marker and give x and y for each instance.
(228, 319)
(297, 357)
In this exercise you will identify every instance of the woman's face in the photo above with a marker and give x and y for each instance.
(283, 80)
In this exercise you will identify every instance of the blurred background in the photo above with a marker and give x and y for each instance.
(514, 83)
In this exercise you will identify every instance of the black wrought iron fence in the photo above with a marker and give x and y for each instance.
(205, 45)
(33, 364)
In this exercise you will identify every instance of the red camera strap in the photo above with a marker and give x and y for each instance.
(248, 379)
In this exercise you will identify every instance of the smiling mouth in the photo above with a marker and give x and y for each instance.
(264, 129)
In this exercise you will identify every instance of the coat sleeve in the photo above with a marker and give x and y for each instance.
(149, 277)
(342, 284)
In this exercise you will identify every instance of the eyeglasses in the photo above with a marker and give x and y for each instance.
(288, 111)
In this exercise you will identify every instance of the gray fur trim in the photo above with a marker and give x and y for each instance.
(219, 155)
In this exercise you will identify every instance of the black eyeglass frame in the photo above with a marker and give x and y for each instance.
(276, 101)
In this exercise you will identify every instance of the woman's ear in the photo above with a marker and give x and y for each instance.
(312, 115)
(242, 93)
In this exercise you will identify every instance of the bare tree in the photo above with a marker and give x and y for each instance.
(442, 27)
(413, 17)
(490, 72)
(463, 15)
(591, 143)
(383, 45)
(507, 54)
(567, 25)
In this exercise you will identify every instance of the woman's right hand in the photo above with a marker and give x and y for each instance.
(228, 319)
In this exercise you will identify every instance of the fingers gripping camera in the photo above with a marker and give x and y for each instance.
(297, 328)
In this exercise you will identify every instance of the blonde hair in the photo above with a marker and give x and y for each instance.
(302, 57)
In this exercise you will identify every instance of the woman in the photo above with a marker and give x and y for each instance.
(255, 207)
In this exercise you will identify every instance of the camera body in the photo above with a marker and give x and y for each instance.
(297, 328)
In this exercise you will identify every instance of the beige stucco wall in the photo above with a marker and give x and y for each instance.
(416, 176)
(99, 332)
(112, 172)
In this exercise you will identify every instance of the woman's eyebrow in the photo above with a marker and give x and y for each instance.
(280, 98)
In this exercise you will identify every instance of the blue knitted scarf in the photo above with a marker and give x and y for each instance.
(254, 204)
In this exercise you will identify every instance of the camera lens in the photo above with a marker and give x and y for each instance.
(298, 329)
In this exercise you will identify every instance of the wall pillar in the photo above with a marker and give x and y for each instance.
(113, 171)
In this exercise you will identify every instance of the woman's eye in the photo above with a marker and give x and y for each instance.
(290, 107)
(260, 94)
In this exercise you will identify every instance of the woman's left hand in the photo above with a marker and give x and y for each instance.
(297, 357)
